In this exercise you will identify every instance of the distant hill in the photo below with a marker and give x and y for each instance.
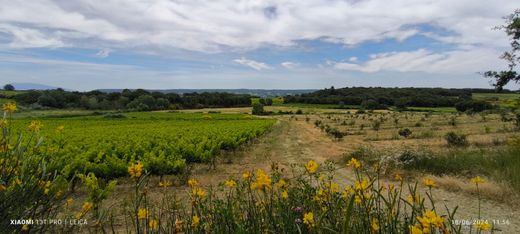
(252, 92)
(31, 86)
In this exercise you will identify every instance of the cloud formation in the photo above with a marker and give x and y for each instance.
(289, 65)
(103, 53)
(423, 60)
(213, 26)
(252, 64)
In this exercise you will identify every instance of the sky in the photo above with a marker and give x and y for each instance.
(261, 44)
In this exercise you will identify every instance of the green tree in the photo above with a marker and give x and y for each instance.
(47, 100)
(258, 109)
(9, 87)
(512, 29)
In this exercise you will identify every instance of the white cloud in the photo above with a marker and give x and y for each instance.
(30, 38)
(212, 26)
(103, 53)
(20, 59)
(353, 59)
(252, 64)
(422, 60)
(289, 65)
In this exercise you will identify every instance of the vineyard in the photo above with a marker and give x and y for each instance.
(163, 142)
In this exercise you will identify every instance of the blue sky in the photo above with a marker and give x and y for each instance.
(84, 45)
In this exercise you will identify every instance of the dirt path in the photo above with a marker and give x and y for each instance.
(296, 142)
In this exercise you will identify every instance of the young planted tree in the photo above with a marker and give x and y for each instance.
(405, 132)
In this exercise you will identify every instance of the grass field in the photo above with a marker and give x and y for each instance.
(433, 109)
(9, 94)
(4, 100)
(509, 100)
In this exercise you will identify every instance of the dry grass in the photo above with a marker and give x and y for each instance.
(490, 190)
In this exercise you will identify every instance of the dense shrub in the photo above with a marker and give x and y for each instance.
(472, 105)
(405, 132)
(456, 140)
(258, 109)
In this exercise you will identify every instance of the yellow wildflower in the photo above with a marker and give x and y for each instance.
(135, 170)
(311, 166)
(321, 196)
(153, 224)
(281, 184)
(69, 201)
(285, 194)
(483, 226)
(333, 187)
(142, 213)
(429, 219)
(390, 187)
(165, 183)
(9, 107)
(230, 183)
(35, 126)
(246, 175)
(262, 180)
(195, 221)
(25, 227)
(17, 181)
(198, 193)
(308, 218)
(348, 190)
(45, 185)
(193, 183)
(477, 180)
(354, 163)
(429, 182)
(357, 199)
(415, 229)
(375, 225)
(361, 184)
(398, 177)
(178, 225)
(86, 207)
(414, 198)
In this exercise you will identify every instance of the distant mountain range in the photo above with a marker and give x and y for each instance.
(30, 86)
(253, 92)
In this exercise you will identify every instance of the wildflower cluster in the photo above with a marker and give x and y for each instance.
(29, 186)
(307, 201)
(311, 201)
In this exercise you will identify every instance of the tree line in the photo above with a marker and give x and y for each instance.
(382, 98)
(139, 99)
